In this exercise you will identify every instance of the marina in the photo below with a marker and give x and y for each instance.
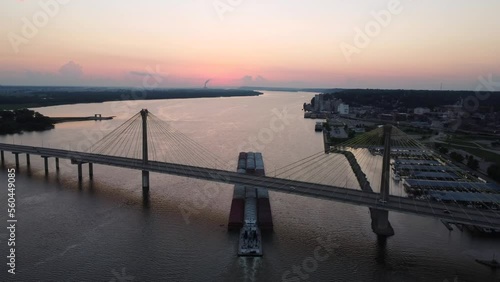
(419, 185)
(431, 179)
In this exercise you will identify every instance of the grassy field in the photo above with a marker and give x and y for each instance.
(474, 137)
(485, 155)
(460, 142)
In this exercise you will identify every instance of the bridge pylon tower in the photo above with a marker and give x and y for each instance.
(145, 173)
(380, 218)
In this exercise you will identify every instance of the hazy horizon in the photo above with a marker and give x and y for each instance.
(291, 44)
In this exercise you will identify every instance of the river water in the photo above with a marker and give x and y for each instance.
(101, 231)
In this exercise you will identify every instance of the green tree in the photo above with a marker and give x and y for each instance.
(456, 157)
(472, 163)
(352, 134)
(327, 126)
(494, 172)
(443, 150)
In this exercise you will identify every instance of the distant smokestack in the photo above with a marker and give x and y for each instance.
(206, 82)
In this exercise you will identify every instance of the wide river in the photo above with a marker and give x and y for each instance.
(101, 231)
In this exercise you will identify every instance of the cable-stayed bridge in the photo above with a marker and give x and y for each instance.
(146, 143)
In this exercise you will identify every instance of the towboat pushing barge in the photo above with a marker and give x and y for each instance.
(250, 241)
(250, 210)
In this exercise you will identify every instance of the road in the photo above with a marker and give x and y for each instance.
(458, 214)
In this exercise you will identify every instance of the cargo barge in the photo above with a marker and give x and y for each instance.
(236, 214)
(250, 209)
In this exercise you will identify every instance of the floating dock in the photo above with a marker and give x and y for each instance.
(96, 117)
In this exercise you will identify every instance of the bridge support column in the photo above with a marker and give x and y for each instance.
(2, 155)
(46, 164)
(28, 161)
(17, 158)
(145, 181)
(380, 218)
(57, 163)
(380, 223)
(91, 170)
(80, 176)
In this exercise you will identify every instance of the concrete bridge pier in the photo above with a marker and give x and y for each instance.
(28, 161)
(57, 163)
(380, 223)
(16, 154)
(145, 182)
(46, 164)
(2, 156)
(91, 170)
(80, 169)
(80, 176)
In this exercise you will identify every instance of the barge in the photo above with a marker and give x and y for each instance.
(250, 208)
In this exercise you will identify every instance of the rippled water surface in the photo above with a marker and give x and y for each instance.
(100, 230)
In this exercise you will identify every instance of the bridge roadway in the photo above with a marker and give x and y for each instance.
(457, 214)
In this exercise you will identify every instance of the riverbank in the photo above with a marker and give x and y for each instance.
(19, 97)
(24, 120)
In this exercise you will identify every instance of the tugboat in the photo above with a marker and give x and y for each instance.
(250, 242)
(319, 126)
(493, 263)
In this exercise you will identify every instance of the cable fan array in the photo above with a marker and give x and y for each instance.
(165, 144)
(335, 170)
(168, 145)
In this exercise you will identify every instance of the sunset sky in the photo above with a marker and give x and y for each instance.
(289, 43)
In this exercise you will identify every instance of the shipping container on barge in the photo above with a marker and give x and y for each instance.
(264, 214)
(250, 243)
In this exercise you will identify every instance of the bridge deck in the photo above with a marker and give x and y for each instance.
(458, 214)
